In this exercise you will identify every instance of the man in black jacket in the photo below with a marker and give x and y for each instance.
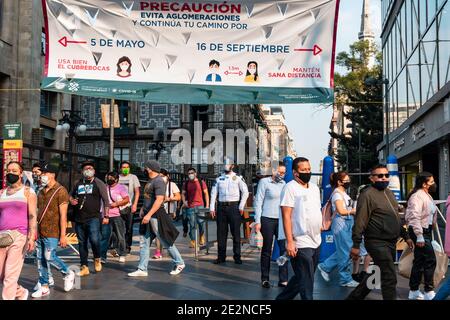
(378, 220)
(88, 196)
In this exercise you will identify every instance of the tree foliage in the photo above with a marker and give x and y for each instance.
(364, 107)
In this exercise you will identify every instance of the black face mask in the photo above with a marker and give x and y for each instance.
(12, 178)
(110, 182)
(305, 177)
(432, 188)
(346, 185)
(381, 185)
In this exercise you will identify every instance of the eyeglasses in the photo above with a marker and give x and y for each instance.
(381, 175)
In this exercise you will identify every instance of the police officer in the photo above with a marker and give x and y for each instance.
(230, 187)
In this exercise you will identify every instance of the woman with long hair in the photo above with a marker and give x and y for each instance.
(18, 204)
(252, 72)
(343, 212)
(420, 217)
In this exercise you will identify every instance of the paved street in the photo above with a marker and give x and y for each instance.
(200, 280)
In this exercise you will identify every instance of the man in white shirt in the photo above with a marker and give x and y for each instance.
(229, 188)
(302, 222)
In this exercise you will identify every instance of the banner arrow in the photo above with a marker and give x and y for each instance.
(315, 50)
(63, 41)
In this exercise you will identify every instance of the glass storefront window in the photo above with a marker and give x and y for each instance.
(422, 16)
(444, 45)
(402, 98)
(429, 64)
(413, 74)
(415, 22)
(431, 10)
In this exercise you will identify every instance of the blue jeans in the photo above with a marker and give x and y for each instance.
(105, 237)
(194, 220)
(88, 231)
(342, 232)
(46, 254)
(145, 242)
(444, 290)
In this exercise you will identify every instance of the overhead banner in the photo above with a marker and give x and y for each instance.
(197, 52)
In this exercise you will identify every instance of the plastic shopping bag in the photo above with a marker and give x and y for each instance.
(256, 238)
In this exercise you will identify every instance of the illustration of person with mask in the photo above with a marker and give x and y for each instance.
(378, 221)
(88, 197)
(252, 72)
(214, 76)
(124, 67)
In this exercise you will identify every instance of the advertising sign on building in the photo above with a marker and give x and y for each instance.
(247, 51)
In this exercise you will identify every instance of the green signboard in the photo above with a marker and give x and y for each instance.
(12, 131)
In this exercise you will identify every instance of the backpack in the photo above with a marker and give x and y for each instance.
(327, 214)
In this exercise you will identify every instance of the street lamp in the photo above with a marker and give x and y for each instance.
(72, 124)
(385, 82)
(157, 149)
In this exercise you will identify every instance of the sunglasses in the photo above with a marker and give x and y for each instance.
(381, 175)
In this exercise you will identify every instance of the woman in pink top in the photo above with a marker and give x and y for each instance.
(17, 215)
(420, 217)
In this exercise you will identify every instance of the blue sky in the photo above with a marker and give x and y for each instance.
(309, 124)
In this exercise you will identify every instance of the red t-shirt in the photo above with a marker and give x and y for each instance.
(194, 193)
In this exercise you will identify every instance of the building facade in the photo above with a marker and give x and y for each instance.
(416, 60)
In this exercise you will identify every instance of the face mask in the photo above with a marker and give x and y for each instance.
(227, 168)
(252, 71)
(278, 178)
(125, 171)
(381, 185)
(304, 176)
(432, 188)
(88, 173)
(191, 176)
(12, 178)
(110, 182)
(44, 181)
(346, 185)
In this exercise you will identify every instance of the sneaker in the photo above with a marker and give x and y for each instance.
(184, 234)
(192, 244)
(69, 281)
(324, 274)
(42, 292)
(122, 259)
(177, 269)
(97, 265)
(84, 271)
(26, 293)
(265, 284)
(103, 260)
(202, 240)
(351, 284)
(138, 273)
(429, 295)
(157, 255)
(114, 253)
(282, 284)
(51, 282)
(415, 295)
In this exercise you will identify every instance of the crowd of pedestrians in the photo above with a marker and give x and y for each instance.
(35, 212)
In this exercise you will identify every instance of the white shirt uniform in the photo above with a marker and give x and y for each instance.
(306, 216)
(229, 187)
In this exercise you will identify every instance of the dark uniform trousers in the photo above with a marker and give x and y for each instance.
(383, 255)
(228, 215)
